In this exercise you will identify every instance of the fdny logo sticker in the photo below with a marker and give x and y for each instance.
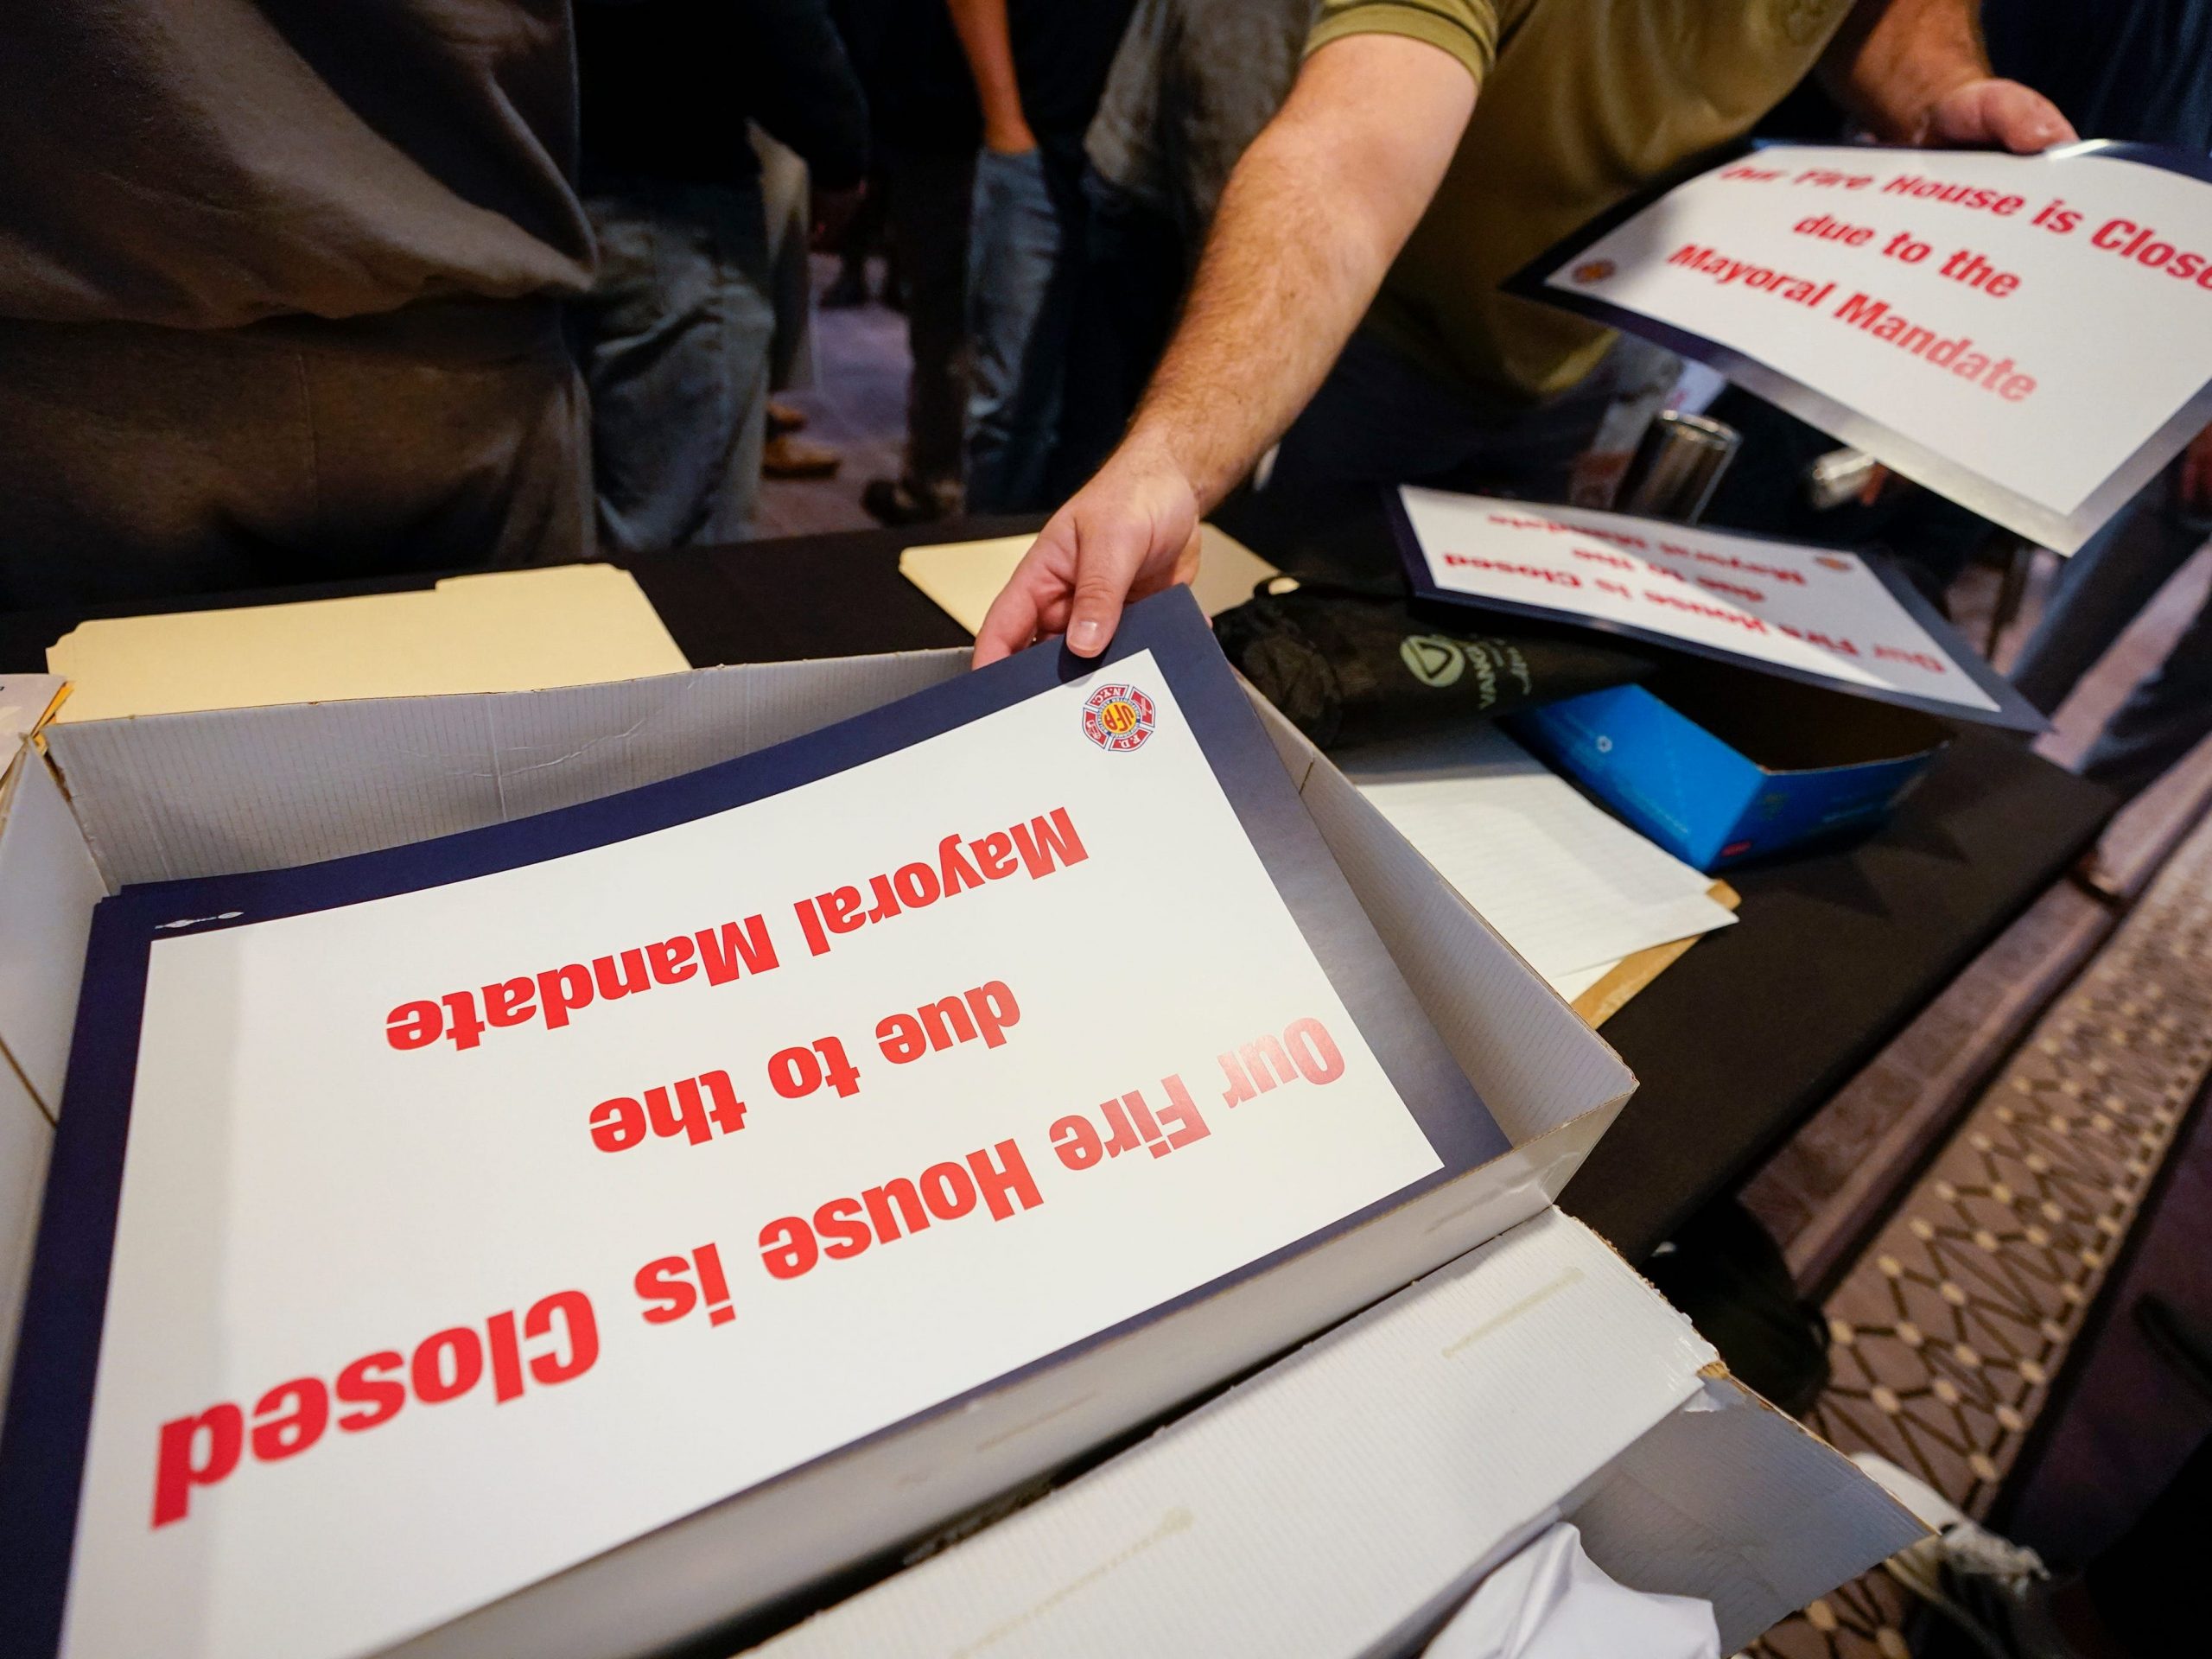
(1118, 718)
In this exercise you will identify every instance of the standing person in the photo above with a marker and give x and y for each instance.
(675, 337)
(1039, 67)
(2139, 70)
(1385, 188)
(1191, 85)
(924, 124)
(280, 294)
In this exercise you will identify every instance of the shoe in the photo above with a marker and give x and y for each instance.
(786, 456)
(900, 501)
(1998, 1592)
(2183, 1340)
(785, 417)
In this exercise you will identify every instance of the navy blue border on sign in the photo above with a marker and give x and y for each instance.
(50, 1400)
(2064, 532)
(2013, 712)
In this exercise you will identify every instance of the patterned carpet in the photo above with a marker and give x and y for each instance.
(1949, 1332)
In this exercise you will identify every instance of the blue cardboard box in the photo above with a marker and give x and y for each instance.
(1718, 765)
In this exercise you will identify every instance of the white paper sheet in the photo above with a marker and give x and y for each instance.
(1573, 984)
(1570, 888)
(1552, 1601)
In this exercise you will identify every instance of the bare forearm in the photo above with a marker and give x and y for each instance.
(1313, 217)
(987, 41)
(1894, 61)
(1279, 291)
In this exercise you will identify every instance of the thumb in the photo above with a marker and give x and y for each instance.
(1108, 556)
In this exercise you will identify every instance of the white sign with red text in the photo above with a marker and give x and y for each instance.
(2030, 335)
(1817, 614)
(469, 1232)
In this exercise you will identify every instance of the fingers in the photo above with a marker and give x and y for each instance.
(2023, 120)
(2003, 113)
(1011, 623)
(1133, 529)
(1108, 558)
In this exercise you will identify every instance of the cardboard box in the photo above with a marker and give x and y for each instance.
(1340, 1502)
(200, 793)
(1345, 1500)
(1718, 766)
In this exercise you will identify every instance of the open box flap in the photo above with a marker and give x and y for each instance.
(1434, 1434)
(168, 795)
(1731, 1501)
(1435, 1431)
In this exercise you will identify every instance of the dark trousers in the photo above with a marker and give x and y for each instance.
(137, 462)
(1380, 419)
(2145, 1586)
(928, 201)
(1134, 268)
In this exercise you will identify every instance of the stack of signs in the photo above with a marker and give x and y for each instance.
(2029, 335)
(1822, 616)
(647, 1183)
(1714, 766)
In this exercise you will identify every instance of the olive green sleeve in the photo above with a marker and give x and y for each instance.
(1465, 28)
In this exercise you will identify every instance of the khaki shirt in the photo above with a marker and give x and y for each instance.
(1581, 103)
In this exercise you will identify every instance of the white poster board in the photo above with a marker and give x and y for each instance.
(480, 1213)
(1821, 615)
(2030, 335)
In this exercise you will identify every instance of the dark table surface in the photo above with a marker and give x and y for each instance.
(1734, 1046)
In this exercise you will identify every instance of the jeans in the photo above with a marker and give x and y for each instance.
(1024, 259)
(2110, 578)
(674, 341)
(2114, 576)
(1380, 419)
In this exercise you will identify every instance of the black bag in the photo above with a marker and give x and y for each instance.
(1347, 668)
(1724, 1272)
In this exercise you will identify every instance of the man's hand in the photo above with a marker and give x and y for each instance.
(1131, 531)
(1915, 73)
(2195, 481)
(1314, 213)
(1986, 113)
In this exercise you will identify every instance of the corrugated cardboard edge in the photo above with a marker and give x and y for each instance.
(47, 888)
(49, 885)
